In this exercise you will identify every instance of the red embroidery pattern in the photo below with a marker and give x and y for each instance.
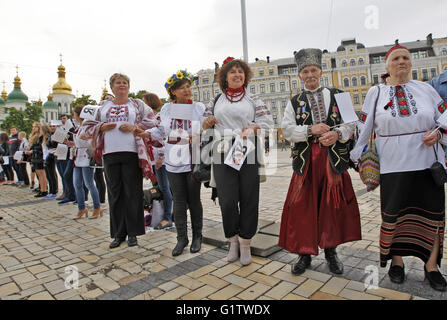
(404, 108)
(118, 114)
(442, 107)
(362, 117)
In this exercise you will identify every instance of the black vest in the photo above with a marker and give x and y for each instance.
(338, 153)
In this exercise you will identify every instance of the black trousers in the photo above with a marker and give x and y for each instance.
(24, 173)
(186, 194)
(8, 172)
(125, 193)
(100, 184)
(15, 166)
(238, 193)
(50, 171)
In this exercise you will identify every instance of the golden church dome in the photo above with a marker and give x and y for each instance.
(61, 86)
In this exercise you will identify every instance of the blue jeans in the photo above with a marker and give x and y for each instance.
(81, 177)
(61, 165)
(163, 183)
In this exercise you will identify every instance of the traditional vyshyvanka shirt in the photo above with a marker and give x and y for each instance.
(177, 156)
(238, 115)
(322, 97)
(403, 116)
(115, 140)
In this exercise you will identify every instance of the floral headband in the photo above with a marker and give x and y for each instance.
(228, 60)
(182, 74)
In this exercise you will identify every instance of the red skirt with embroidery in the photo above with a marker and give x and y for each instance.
(321, 208)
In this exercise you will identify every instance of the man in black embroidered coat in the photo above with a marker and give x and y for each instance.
(321, 209)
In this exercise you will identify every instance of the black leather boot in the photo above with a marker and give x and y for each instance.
(181, 244)
(335, 265)
(302, 264)
(116, 242)
(132, 241)
(196, 244)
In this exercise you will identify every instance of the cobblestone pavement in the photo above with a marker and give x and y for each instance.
(39, 239)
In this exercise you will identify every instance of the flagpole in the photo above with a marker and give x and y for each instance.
(244, 30)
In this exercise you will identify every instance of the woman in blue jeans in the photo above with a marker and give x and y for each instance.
(83, 174)
(154, 102)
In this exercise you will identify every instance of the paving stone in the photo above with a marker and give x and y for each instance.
(334, 286)
(37, 269)
(239, 281)
(140, 286)
(272, 229)
(292, 296)
(44, 295)
(389, 294)
(201, 271)
(174, 294)
(8, 289)
(289, 277)
(188, 282)
(281, 290)
(271, 267)
(226, 293)
(93, 294)
(356, 295)
(125, 293)
(318, 276)
(106, 284)
(356, 286)
(109, 296)
(308, 288)
(222, 272)
(23, 278)
(324, 296)
(168, 286)
(213, 281)
(117, 274)
(55, 287)
(254, 291)
(261, 278)
(200, 293)
(168, 275)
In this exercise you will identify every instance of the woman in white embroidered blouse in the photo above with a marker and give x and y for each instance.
(126, 159)
(242, 114)
(181, 120)
(412, 204)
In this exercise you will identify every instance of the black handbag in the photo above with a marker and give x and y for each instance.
(437, 171)
(202, 171)
(151, 194)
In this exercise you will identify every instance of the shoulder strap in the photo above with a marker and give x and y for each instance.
(215, 100)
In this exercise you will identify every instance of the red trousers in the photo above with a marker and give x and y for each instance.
(321, 209)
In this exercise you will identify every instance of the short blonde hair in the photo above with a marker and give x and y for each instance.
(116, 76)
(22, 134)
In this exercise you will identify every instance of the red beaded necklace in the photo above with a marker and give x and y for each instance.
(235, 95)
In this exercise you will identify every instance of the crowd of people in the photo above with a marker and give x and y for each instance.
(131, 139)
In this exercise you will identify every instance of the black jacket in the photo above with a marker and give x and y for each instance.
(37, 151)
(14, 143)
(338, 153)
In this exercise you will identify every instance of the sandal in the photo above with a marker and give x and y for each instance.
(161, 227)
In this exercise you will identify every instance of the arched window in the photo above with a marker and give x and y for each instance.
(352, 62)
(363, 81)
(354, 82)
(346, 82)
(361, 61)
(344, 64)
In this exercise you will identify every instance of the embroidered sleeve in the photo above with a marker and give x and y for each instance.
(290, 129)
(263, 117)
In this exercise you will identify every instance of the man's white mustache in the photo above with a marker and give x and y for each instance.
(311, 79)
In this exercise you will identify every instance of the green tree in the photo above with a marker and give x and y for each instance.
(22, 119)
(84, 100)
(138, 95)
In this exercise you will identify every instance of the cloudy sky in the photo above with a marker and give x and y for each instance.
(150, 40)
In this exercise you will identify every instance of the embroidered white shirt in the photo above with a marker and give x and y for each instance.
(116, 140)
(402, 153)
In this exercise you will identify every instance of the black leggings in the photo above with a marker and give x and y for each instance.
(186, 194)
(100, 184)
(8, 172)
(50, 171)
